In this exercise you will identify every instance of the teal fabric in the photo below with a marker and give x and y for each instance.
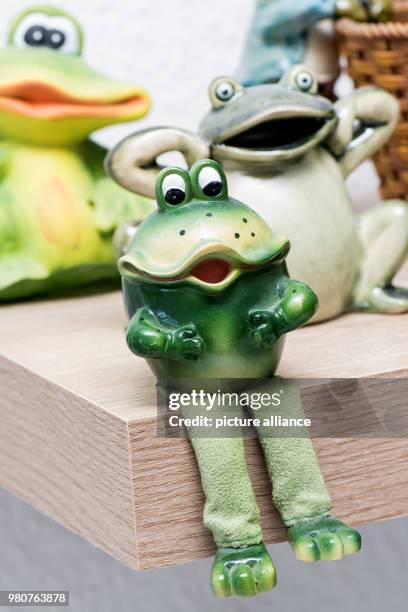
(278, 37)
(299, 492)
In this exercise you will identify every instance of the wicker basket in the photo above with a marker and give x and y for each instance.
(378, 54)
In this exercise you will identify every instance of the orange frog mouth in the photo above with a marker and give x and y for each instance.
(211, 271)
(43, 101)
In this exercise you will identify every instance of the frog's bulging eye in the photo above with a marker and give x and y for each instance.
(222, 90)
(35, 36)
(56, 39)
(225, 91)
(53, 32)
(304, 80)
(210, 182)
(174, 189)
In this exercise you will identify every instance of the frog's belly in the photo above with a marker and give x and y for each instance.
(309, 205)
(48, 231)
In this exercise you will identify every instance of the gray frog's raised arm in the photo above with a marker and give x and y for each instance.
(132, 163)
(367, 118)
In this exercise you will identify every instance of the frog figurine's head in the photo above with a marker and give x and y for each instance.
(48, 95)
(199, 235)
(267, 124)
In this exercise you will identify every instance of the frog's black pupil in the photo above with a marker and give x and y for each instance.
(213, 189)
(36, 36)
(56, 39)
(174, 196)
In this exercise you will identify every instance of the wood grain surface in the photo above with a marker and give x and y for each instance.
(78, 431)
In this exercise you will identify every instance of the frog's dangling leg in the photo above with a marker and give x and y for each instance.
(242, 566)
(384, 234)
(299, 492)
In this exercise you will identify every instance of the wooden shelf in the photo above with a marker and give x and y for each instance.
(78, 431)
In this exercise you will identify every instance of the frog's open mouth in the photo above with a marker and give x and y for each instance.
(285, 133)
(213, 267)
(275, 135)
(44, 101)
(211, 271)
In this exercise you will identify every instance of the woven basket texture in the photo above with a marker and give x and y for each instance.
(378, 54)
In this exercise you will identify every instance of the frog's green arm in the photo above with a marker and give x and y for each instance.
(112, 204)
(367, 118)
(297, 305)
(149, 337)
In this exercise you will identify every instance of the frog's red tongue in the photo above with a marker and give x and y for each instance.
(211, 271)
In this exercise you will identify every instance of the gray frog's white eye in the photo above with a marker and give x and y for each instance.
(45, 31)
(225, 91)
(304, 80)
(210, 182)
(174, 189)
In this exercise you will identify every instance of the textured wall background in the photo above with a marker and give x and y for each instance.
(174, 48)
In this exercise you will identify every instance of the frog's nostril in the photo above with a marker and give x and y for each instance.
(245, 220)
(209, 215)
(182, 232)
(252, 234)
(237, 235)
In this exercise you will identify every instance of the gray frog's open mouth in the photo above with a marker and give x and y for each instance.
(285, 133)
(273, 136)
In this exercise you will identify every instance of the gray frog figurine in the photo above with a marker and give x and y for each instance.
(287, 152)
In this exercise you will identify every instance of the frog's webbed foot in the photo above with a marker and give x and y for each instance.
(384, 234)
(242, 572)
(326, 539)
(387, 300)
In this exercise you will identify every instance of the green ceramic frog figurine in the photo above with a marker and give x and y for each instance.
(284, 33)
(287, 152)
(58, 209)
(208, 297)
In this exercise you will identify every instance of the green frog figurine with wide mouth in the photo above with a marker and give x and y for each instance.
(209, 298)
(287, 152)
(58, 208)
